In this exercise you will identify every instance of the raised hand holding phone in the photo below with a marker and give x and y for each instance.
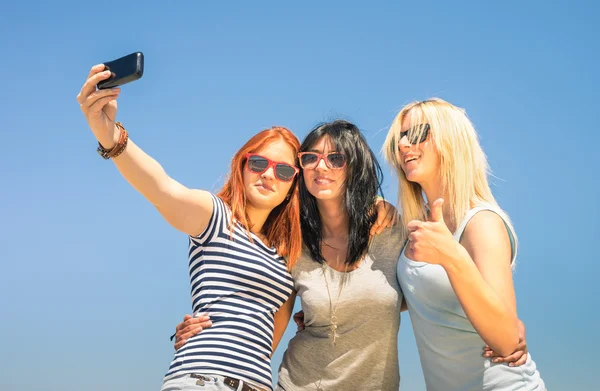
(431, 241)
(123, 70)
(100, 106)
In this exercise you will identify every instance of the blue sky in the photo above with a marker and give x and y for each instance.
(93, 281)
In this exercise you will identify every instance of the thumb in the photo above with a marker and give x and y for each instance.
(436, 212)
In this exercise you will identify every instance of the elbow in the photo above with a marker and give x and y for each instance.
(507, 348)
(509, 340)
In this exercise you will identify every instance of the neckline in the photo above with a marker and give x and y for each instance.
(350, 272)
(256, 238)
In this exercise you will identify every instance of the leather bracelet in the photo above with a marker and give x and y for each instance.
(118, 148)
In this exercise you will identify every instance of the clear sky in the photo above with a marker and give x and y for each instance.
(93, 281)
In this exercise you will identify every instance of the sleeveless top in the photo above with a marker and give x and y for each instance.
(365, 356)
(449, 347)
(240, 285)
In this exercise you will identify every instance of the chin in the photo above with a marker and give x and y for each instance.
(413, 177)
(261, 201)
(326, 195)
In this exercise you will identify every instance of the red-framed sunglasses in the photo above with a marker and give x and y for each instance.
(258, 164)
(333, 160)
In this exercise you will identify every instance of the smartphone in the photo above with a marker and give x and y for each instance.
(123, 70)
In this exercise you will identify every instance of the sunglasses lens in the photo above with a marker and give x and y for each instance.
(336, 160)
(309, 160)
(418, 134)
(285, 172)
(257, 164)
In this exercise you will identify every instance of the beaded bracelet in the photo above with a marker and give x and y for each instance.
(118, 148)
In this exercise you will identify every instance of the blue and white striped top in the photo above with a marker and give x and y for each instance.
(240, 285)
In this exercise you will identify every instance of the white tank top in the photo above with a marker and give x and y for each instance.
(449, 347)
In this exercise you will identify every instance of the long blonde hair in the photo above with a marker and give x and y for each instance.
(463, 164)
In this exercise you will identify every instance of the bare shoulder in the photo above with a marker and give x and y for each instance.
(485, 234)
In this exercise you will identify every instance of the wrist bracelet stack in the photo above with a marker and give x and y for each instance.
(117, 149)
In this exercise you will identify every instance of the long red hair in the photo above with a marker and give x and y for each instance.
(282, 227)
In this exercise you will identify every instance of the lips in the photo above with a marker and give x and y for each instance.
(320, 180)
(410, 158)
(264, 186)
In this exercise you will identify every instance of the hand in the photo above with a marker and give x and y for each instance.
(518, 358)
(387, 216)
(299, 319)
(100, 107)
(190, 327)
(432, 241)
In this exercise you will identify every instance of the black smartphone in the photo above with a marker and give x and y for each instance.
(123, 70)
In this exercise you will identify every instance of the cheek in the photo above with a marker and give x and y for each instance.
(432, 156)
(248, 179)
(341, 177)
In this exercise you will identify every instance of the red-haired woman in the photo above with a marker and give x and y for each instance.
(239, 241)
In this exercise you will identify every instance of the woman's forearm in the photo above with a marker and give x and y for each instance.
(491, 317)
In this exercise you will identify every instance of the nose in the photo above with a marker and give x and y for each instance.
(321, 165)
(403, 144)
(269, 173)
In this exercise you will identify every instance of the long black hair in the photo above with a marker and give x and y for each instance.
(363, 184)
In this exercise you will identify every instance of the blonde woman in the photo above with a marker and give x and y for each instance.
(456, 268)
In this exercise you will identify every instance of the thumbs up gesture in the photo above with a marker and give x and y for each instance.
(431, 241)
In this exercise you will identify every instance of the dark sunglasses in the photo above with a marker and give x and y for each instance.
(333, 160)
(416, 134)
(258, 164)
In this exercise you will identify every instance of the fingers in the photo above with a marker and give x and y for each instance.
(299, 318)
(95, 69)
(376, 229)
(193, 329)
(96, 75)
(189, 328)
(185, 335)
(181, 325)
(178, 345)
(436, 212)
(509, 359)
(519, 362)
(413, 237)
(390, 220)
(380, 221)
(96, 100)
(414, 225)
(188, 320)
(518, 358)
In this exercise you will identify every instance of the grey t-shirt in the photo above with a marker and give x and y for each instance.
(365, 356)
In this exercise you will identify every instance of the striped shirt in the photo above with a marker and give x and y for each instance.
(240, 285)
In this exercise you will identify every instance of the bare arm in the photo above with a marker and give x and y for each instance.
(282, 318)
(482, 280)
(187, 210)
(479, 271)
